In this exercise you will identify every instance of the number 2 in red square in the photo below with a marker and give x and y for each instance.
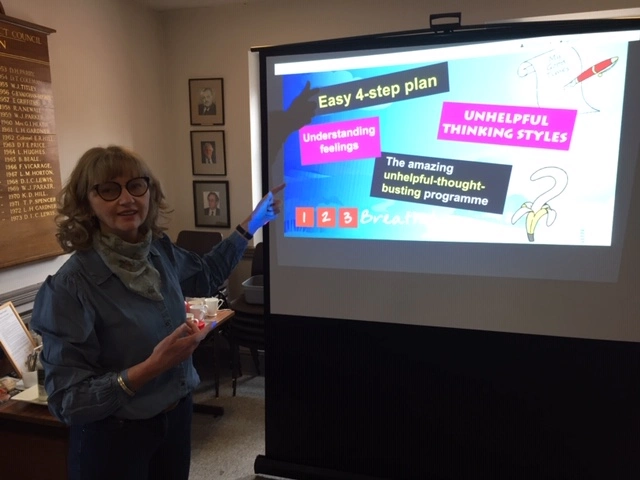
(304, 217)
(348, 217)
(327, 217)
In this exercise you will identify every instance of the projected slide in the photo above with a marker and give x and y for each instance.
(486, 179)
(518, 145)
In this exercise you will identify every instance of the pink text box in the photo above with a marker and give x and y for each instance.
(550, 128)
(340, 141)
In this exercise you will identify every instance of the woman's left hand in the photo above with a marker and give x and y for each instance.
(267, 209)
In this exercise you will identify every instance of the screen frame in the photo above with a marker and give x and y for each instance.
(426, 38)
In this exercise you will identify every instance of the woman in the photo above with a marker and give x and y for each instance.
(117, 348)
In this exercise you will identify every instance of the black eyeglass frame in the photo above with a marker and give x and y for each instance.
(126, 185)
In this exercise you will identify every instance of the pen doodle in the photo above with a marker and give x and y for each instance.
(554, 71)
(597, 69)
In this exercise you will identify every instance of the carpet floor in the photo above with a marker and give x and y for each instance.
(226, 447)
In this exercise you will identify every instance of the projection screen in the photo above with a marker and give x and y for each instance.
(481, 179)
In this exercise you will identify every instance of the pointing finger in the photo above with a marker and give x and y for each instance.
(279, 188)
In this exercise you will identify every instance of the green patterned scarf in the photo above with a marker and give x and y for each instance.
(130, 263)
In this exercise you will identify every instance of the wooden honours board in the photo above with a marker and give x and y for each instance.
(29, 165)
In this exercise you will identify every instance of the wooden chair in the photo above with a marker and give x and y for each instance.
(246, 328)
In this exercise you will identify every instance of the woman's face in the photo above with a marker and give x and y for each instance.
(125, 215)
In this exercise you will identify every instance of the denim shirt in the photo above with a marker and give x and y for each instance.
(94, 328)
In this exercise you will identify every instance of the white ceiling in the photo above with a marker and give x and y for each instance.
(162, 5)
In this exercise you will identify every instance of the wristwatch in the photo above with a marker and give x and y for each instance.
(243, 232)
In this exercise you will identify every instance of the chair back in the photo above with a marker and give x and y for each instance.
(198, 241)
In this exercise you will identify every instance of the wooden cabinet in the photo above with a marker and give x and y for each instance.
(33, 442)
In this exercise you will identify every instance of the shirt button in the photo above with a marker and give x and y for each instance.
(166, 324)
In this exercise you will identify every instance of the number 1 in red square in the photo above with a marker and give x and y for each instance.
(304, 217)
(348, 217)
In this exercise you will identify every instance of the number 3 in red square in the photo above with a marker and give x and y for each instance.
(348, 218)
(304, 217)
(327, 217)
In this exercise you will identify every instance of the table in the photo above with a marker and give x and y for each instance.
(33, 442)
(221, 318)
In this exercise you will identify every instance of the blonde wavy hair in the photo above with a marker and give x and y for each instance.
(75, 219)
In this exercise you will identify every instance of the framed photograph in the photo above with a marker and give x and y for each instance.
(206, 101)
(211, 204)
(208, 155)
(15, 339)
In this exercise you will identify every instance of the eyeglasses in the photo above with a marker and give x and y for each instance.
(110, 191)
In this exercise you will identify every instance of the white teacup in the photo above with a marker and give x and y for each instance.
(213, 304)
